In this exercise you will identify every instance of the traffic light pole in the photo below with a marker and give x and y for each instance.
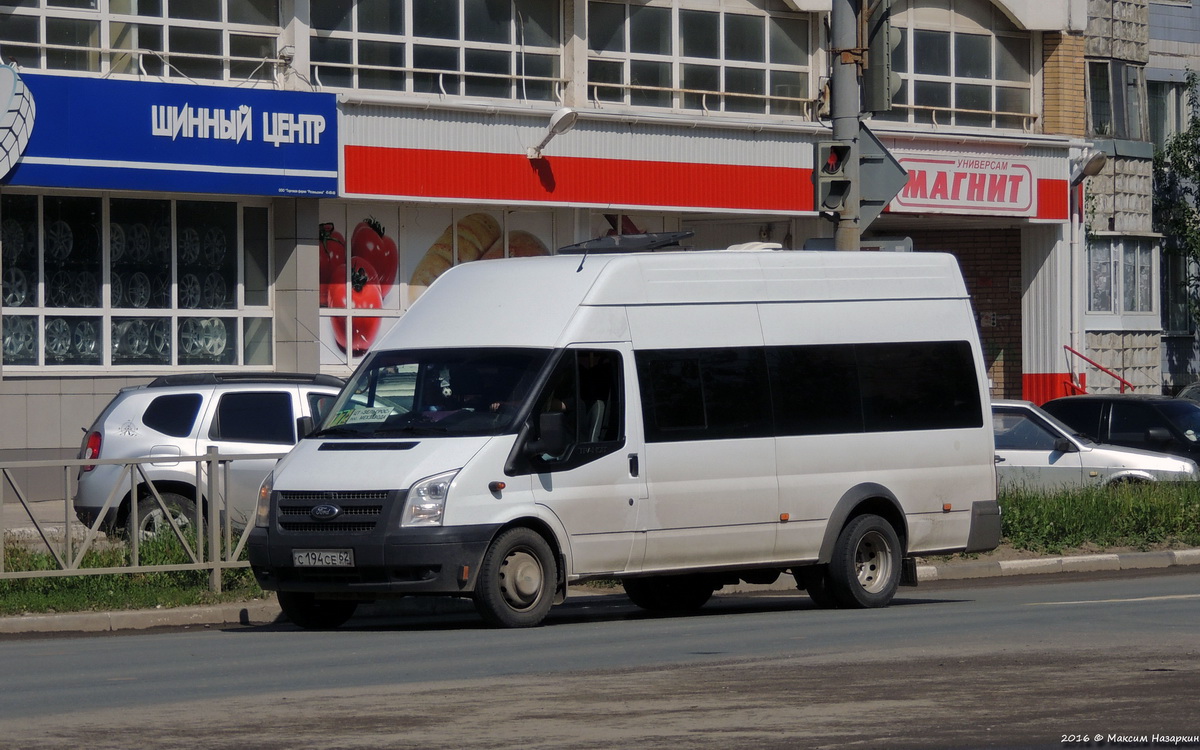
(845, 112)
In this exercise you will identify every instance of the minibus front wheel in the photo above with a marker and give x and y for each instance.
(516, 580)
(864, 570)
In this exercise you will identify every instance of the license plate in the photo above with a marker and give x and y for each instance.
(323, 558)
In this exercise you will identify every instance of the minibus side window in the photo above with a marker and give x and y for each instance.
(704, 394)
(584, 398)
(815, 390)
(918, 386)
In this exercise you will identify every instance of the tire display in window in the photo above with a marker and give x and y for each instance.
(16, 287)
(60, 241)
(137, 264)
(12, 236)
(71, 340)
(20, 340)
(199, 337)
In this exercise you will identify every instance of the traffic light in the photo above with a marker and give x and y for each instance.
(880, 83)
(830, 173)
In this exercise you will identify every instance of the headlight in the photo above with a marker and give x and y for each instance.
(427, 500)
(263, 513)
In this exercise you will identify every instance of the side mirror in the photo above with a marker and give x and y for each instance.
(321, 408)
(1062, 445)
(304, 427)
(1159, 435)
(552, 435)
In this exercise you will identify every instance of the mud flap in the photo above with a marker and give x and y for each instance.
(908, 571)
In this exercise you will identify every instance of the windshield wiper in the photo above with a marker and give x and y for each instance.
(412, 429)
(334, 432)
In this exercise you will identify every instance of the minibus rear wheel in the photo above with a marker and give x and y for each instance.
(516, 580)
(864, 570)
(306, 611)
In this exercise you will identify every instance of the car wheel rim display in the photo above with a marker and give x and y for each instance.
(16, 288)
(12, 235)
(59, 293)
(189, 246)
(160, 337)
(20, 338)
(59, 240)
(189, 291)
(214, 246)
(58, 337)
(139, 243)
(214, 290)
(116, 242)
(85, 337)
(138, 290)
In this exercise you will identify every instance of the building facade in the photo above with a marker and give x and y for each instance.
(269, 184)
(1174, 50)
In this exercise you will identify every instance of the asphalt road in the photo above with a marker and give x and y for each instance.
(996, 663)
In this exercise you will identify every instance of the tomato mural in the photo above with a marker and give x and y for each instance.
(364, 295)
(370, 243)
(373, 264)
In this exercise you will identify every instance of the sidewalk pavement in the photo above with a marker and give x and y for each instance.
(266, 611)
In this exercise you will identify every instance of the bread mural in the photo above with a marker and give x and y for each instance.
(479, 237)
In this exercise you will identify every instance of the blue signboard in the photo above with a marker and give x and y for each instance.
(170, 137)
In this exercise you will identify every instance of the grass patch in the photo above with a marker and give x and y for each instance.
(1141, 516)
(116, 591)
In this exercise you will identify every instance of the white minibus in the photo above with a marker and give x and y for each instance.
(679, 421)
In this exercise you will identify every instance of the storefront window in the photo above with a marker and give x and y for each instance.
(139, 234)
(716, 61)
(72, 247)
(157, 282)
(19, 236)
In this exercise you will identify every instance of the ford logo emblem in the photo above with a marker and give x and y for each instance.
(325, 512)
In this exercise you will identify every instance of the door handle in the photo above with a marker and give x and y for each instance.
(633, 464)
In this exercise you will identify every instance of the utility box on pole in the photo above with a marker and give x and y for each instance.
(880, 83)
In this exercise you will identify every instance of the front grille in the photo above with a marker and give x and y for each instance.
(332, 496)
(361, 511)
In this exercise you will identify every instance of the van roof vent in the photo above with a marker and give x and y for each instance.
(751, 246)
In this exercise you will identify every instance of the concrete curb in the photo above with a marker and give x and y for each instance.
(1073, 564)
(266, 611)
(257, 612)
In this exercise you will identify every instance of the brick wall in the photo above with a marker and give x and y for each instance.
(991, 265)
(1063, 97)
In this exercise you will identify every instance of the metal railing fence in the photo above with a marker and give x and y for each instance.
(211, 542)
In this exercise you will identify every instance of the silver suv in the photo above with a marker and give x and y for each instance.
(181, 415)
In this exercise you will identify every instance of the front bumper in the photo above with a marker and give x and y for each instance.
(388, 560)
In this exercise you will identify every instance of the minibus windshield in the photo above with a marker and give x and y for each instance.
(451, 392)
